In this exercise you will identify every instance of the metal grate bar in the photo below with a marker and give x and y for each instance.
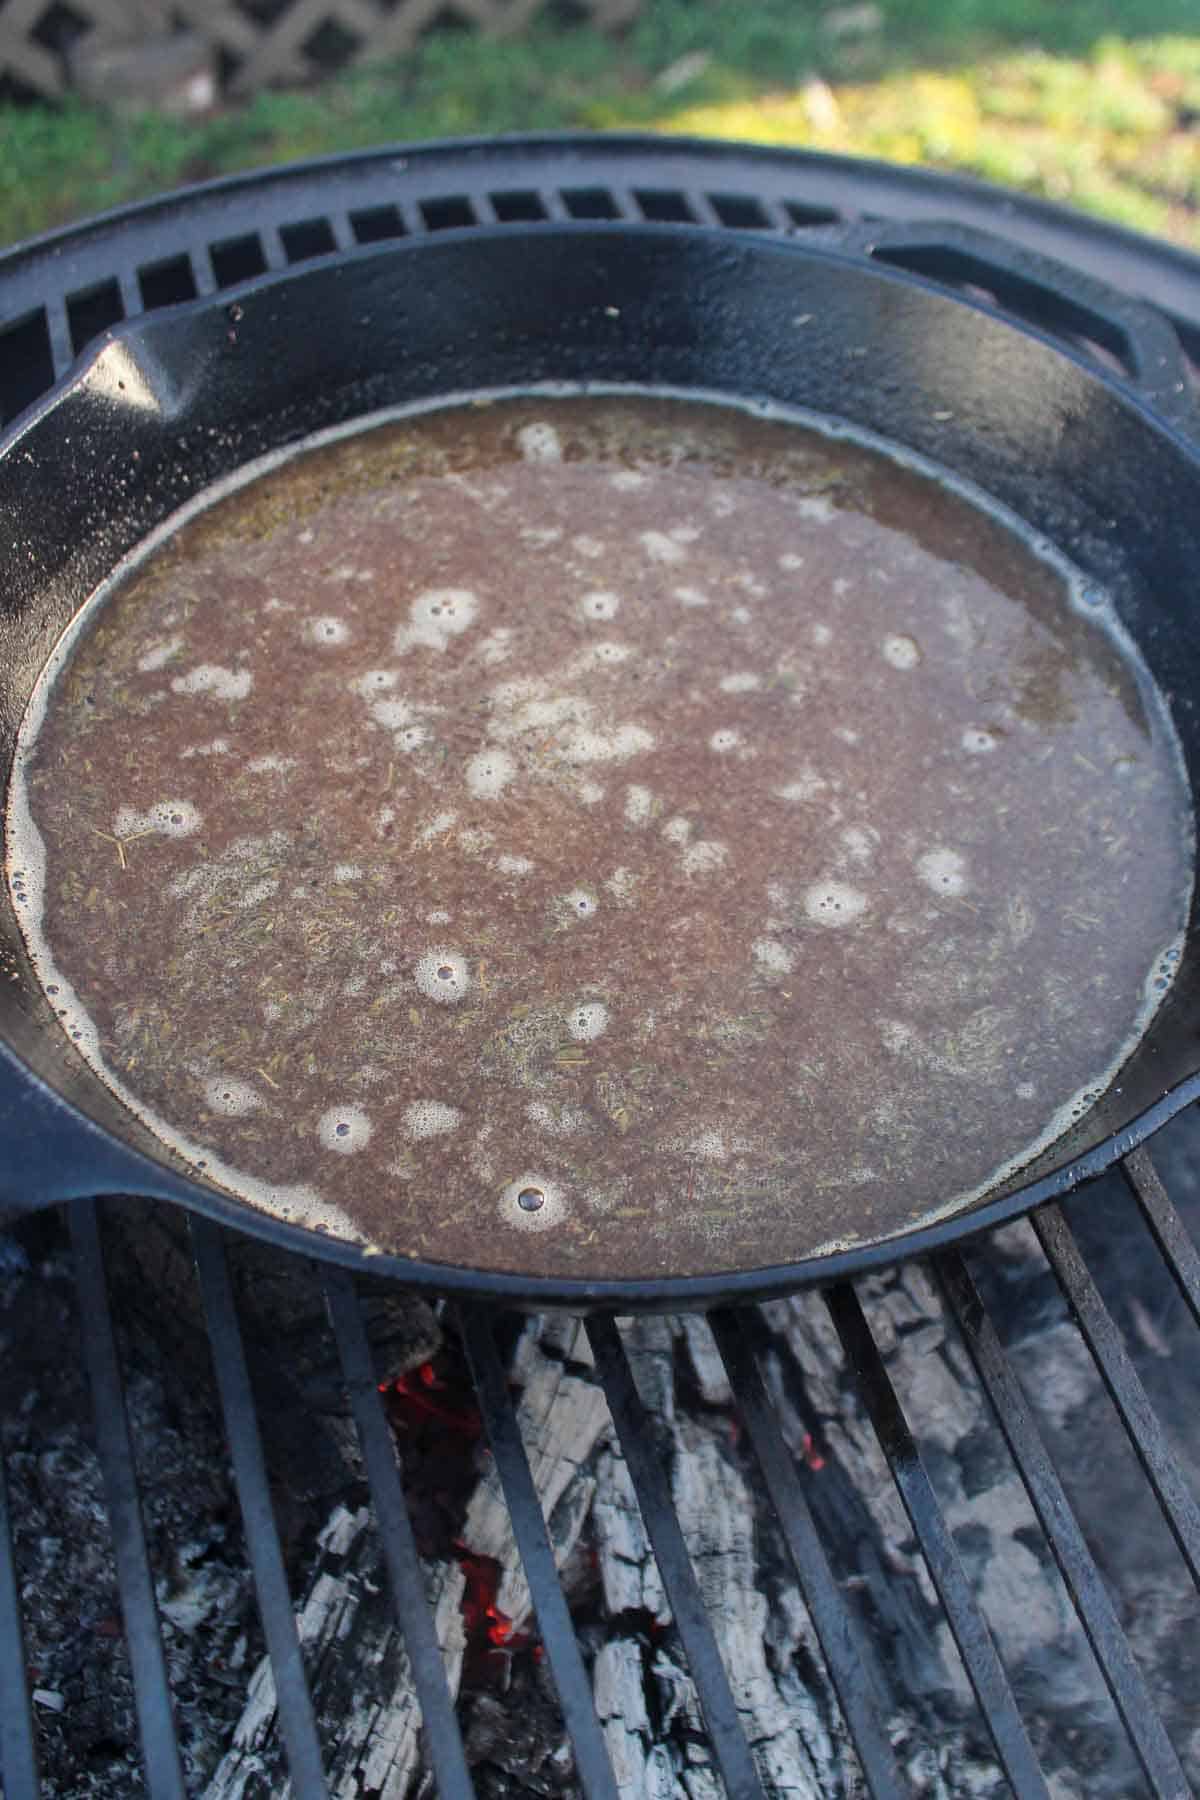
(131, 299)
(636, 1436)
(342, 229)
(529, 1527)
(971, 1634)
(262, 1536)
(1079, 1571)
(832, 1622)
(152, 1693)
(1178, 1250)
(62, 350)
(202, 270)
(272, 247)
(625, 205)
(1121, 1379)
(442, 1736)
(702, 206)
(18, 1757)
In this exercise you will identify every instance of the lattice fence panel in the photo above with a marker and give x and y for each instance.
(292, 45)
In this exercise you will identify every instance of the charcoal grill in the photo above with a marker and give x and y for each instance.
(60, 292)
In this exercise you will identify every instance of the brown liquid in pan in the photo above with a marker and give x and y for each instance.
(600, 836)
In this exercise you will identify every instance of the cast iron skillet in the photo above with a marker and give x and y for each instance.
(172, 402)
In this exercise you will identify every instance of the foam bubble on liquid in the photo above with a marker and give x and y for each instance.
(437, 615)
(834, 903)
(945, 871)
(743, 682)
(690, 597)
(214, 679)
(232, 1099)
(166, 818)
(978, 742)
(677, 830)
(256, 893)
(622, 884)
(615, 745)
(600, 606)
(859, 842)
(707, 1145)
(561, 1120)
(806, 786)
(398, 717)
(580, 903)
(218, 747)
(774, 956)
(439, 826)
(344, 1129)
(590, 792)
(589, 547)
(703, 857)
(821, 635)
(532, 1202)
(347, 872)
(587, 1021)
(627, 480)
(900, 651)
(815, 506)
(443, 975)
(270, 765)
(520, 709)
(791, 561)
(725, 740)
(393, 715)
(158, 654)
(539, 442)
(540, 537)
(327, 631)
(661, 548)
(1025, 1090)
(496, 647)
(430, 1118)
(374, 681)
(489, 772)
(609, 653)
(741, 615)
(639, 804)
(514, 865)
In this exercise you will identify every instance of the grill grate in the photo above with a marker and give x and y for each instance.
(739, 1336)
(58, 293)
(55, 295)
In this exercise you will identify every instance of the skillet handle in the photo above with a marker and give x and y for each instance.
(49, 1151)
(1137, 345)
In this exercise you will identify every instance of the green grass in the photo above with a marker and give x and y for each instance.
(1039, 95)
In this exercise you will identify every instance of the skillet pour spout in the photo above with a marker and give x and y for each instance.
(1094, 457)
